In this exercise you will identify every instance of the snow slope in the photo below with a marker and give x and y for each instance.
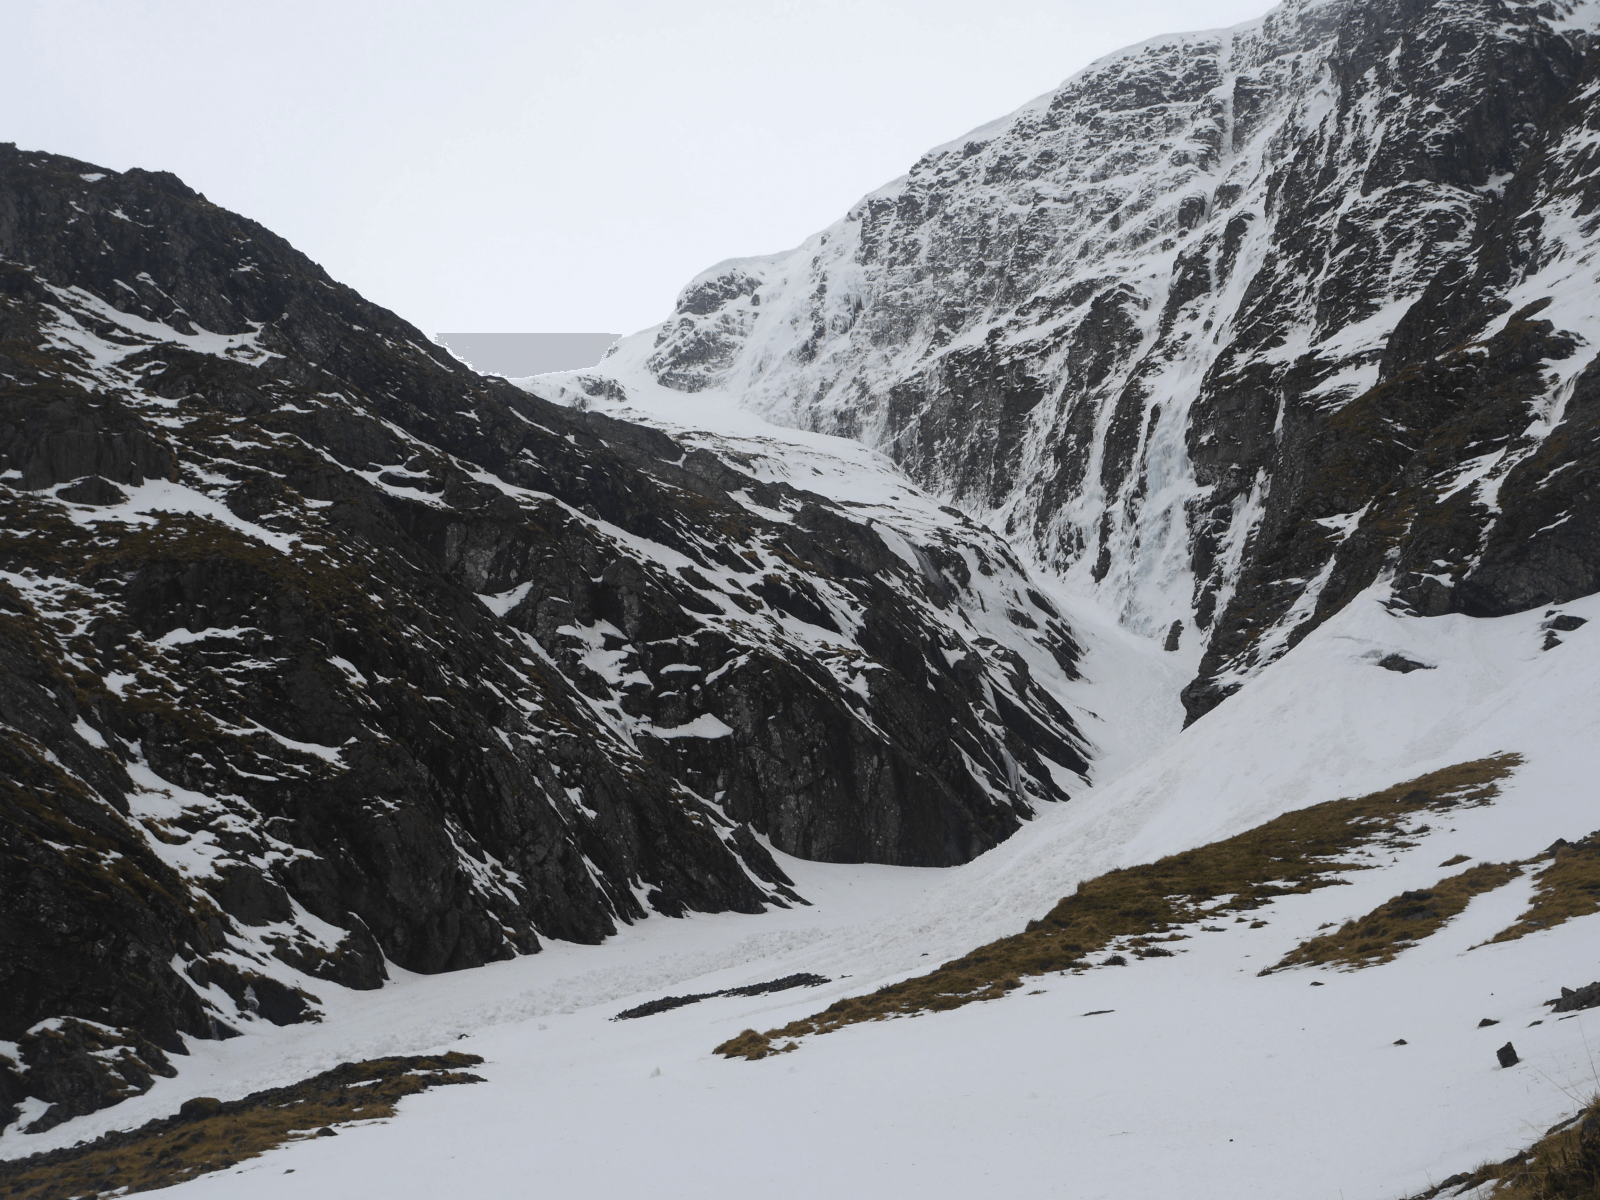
(1204, 1080)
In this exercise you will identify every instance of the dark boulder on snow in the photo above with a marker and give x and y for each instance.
(1402, 664)
(1576, 999)
(1507, 1055)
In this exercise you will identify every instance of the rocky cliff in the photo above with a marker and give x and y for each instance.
(320, 652)
(1231, 326)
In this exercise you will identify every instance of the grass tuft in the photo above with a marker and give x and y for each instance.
(1562, 1165)
(1399, 922)
(1295, 853)
(1569, 887)
(212, 1135)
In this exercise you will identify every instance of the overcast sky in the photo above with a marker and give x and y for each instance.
(554, 165)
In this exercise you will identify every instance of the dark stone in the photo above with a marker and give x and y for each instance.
(93, 490)
(1576, 999)
(247, 895)
(1174, 635)
(1507, 1055)
(1402, 664)
(78, 1067)
(756, 857)
(668, 1003)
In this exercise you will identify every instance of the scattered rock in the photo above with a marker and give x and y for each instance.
(1507, 1055)
(1400, 1042)
(1564, 623)
(78, 1067)
(1572, 1000)
(1486, 1022)
(1402, 664)
(668, 1003)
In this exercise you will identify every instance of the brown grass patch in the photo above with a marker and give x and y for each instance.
(210, 1135)
(1569, 887)
(1562, 1165)
(1297, 852)
(1399, 922)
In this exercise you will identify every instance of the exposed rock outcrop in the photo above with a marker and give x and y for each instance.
(320, 652)
(1231, 326)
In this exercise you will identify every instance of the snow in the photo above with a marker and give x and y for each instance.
(501, 603)
(854, 323)
(1203, 1080)
(1195, 1077)
(703, 726)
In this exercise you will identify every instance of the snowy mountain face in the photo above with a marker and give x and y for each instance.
(1229, 327)
(321, 655)
(1248, 380)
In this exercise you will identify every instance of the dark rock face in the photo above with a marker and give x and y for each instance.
(1234, 327)
(320, 652)
(1576, 999)
(78, 1067)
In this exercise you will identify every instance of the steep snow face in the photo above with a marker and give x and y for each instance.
(1121, 322)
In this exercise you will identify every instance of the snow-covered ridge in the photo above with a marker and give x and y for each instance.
(1114, 322)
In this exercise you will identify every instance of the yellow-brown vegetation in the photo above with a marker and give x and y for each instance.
(1400, 921)
(1569, 887)
(1562, 1165)
(1295, 853)
(210, 1135)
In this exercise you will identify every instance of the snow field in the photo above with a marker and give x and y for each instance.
(1027, 1094)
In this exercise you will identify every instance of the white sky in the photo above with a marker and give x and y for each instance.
(553, 165)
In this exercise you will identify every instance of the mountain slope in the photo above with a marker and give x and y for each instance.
(1029, 1093)
(1229, 326)
(325, 656)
